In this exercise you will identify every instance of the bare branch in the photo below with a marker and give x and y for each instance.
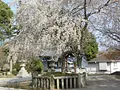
(99, 8)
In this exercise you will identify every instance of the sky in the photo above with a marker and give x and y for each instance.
(11, 3)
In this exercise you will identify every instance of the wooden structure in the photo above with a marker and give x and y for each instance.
(59, 82)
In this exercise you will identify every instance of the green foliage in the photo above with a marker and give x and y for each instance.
(34, 65)
(6, 15)
(6, 51)
(90, 46)
(3, 55)
(16, 68)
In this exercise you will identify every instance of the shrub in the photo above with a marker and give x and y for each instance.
(16, 68)
(34, 65)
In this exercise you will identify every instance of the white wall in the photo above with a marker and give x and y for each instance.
(93, 68)
(115, 66)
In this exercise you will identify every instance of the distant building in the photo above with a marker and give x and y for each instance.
(69, 61)
(104, 64)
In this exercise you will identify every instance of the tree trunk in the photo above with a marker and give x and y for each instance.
(63, 62)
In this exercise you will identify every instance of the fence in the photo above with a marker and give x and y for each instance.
(59, 82)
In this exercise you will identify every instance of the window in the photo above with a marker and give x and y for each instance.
(102, 66)
(115, 64)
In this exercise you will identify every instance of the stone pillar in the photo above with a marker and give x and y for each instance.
(41, 82)
(70, 82)
(37, 82)
(62, 83)
(83, 80)
(11, 65)
(58, 84)
(74, 82)
(44, 83)
(47, 83)
(52, 82)
(66, 83)
(79, 80)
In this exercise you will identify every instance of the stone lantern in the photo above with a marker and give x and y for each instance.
(52, 64)
(23, 72)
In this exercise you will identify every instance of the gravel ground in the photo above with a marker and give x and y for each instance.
(4, 81)
(4, 88)
(13, 80)
(101, 82)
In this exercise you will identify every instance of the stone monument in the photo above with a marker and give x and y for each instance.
(23, 72)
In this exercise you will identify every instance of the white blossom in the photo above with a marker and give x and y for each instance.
(46, 25)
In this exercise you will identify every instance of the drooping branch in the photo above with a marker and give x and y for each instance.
(46, 26)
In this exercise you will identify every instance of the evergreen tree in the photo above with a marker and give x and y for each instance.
(90, 46)
(6, 15)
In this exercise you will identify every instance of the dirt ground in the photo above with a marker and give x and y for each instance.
(102, 82)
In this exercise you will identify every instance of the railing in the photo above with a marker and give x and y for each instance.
(60, 82)
(65, 82)
(42, 82)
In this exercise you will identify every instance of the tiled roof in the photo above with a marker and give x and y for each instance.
(109, 56)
